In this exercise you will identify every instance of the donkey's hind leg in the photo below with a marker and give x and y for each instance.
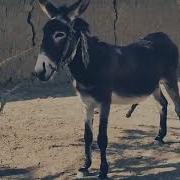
(159, 97)
(171, 86)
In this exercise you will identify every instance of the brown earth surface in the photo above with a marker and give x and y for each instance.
(41, 135)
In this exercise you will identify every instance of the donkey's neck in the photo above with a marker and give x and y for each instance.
(77, 67)
(100, 61)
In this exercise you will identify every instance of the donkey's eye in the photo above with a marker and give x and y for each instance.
(59, 35)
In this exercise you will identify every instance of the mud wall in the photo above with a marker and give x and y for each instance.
(120, 20)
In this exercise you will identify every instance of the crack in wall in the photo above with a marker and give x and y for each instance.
(29, 21)
(178, 3)
(115, 20)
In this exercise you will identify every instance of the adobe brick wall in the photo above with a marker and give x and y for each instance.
(136, 18)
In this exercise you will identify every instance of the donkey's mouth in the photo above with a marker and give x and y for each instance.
(42, 76)
(45, 77)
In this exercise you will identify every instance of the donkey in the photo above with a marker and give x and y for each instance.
(104, 73)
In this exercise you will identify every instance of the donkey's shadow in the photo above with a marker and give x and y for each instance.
(17, 173)
(136, 167)
(147, 167)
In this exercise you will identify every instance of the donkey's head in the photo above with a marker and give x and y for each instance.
(60, 37)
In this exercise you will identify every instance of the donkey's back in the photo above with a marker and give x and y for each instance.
(141, 65)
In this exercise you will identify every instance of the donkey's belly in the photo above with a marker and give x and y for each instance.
(116, 99)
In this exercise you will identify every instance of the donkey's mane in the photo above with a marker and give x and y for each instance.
(81, 25)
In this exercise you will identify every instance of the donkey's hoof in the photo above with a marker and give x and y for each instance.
(159, 141)
(128, 115)
(82, 174)
(103, 176)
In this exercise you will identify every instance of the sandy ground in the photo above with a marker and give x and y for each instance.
(41, 135)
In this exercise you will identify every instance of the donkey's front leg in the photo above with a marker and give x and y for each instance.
(88, 137)
(103, 139)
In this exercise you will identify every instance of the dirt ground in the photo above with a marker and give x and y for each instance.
(41, 135)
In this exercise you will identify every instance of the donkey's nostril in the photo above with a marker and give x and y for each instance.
(44, 67)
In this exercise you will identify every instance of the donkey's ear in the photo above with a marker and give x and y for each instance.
(77, 9)
(48, 8)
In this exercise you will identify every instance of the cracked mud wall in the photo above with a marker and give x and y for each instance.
(122, 21)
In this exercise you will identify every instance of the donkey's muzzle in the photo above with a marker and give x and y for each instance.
(44, 68)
